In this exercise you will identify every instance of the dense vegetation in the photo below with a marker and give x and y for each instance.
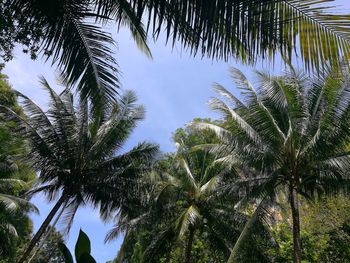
(267, 182)
(15, 225)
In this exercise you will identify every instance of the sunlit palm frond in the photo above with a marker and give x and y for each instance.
(183, 163)
(312, 158)
(13, 203)
(225, 93)
(260, 214)
(210, 186)
(187, 219)
(248, 29)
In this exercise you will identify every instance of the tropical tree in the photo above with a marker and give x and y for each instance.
(73, 35)
(15, 180)
(76, 151)
(198, 196)
(289, 135)
(49, 249)
(12, 206)
(186, 215)
(325, 233)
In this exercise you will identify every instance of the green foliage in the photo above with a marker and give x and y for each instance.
(191, 137)
(11, 244)
(72, 33)
(15, 179)
(49, 251)
(82, 250)
(339, 244)
(10, 143)
(78, 152)
(12, 32)
(325, 232)
(289, 135)
(186, 196)
(82, 246)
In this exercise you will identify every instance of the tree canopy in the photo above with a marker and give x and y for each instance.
(73, 35)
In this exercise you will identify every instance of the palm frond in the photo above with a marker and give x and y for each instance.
(13, 203)
(187, 219)
(225, 93)
(41, 145)
(260, 213)
(113, 132)
(237, 118)
(322, 36)
(159, 242)
(9, 228)
(142, 153)
(210, 186)
(248, 29)
(221, 133)
(79, 48)
(183, 163)
(122, 12)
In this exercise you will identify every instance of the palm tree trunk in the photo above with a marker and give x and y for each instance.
(294, 204)
(42, 229)
(38, 247)
(189, 246)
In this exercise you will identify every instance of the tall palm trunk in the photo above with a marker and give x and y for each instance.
(189, 246)
(42, 229)
(294, 204)
(43, 239)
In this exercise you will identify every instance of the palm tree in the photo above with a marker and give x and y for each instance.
(72, 32)
(190, 198)
(10, 201)
(201, 205)
(172, 182)
(15, 177)
(290, 135)
(76, 151)
(183, 198)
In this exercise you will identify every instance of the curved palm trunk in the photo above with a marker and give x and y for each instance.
(42, 229)
(294, 204)
(38, 247)
(189, 246)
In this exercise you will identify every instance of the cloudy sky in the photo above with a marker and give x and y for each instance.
(174, 88)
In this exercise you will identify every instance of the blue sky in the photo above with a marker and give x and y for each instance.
(174, 88)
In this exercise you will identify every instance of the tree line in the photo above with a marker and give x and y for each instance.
(277, 146)
(237, 189)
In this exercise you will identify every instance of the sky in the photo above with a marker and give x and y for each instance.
(174, 88)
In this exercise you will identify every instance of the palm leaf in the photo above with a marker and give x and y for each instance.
(248, 29)
(189, 176)
(79, 48)
(13, 203)
(259, 214)
(186, 219)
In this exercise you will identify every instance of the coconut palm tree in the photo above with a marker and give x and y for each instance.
(78, 154)
(289, 135)
(188, 199)
(73, 35)
(201, 205)
(15, 177)
(10, 201)
(183, 198)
